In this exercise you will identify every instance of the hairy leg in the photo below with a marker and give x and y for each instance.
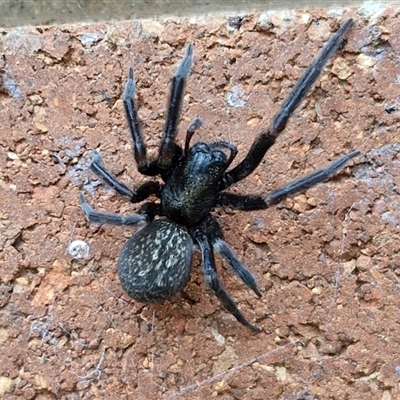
(110, 218)
(267, 138)
(212, 280)
(248, 202)
(145, 166)
(215, 236)
(169, 149)
(135, 196)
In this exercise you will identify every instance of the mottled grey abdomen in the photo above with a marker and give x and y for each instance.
(155, 263)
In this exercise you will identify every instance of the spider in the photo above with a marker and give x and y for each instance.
(155, 263)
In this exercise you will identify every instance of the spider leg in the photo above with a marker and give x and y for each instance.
(247, 203)
(135, 196)
(169, 149)
(212, 280)
(267, 138)
(109, 218)
(215, 236)
(145, 166)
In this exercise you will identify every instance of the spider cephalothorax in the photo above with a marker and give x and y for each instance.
(155, 263)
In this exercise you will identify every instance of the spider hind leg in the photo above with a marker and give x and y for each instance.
(212, 280)
(215, 236)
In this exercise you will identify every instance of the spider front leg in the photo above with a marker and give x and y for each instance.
(212, 280)
(267, 138)
(247, 203)
(169, 149)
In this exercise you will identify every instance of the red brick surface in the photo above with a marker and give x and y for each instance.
(326, 261)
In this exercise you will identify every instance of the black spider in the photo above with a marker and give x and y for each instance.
(155, 262)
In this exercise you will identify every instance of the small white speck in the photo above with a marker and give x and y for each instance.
(78, 249)
(89, 39)
(12, 156)
(235, 96)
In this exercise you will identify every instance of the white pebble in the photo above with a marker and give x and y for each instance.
(78, 249)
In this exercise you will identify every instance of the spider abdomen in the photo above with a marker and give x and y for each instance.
(154, 263)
